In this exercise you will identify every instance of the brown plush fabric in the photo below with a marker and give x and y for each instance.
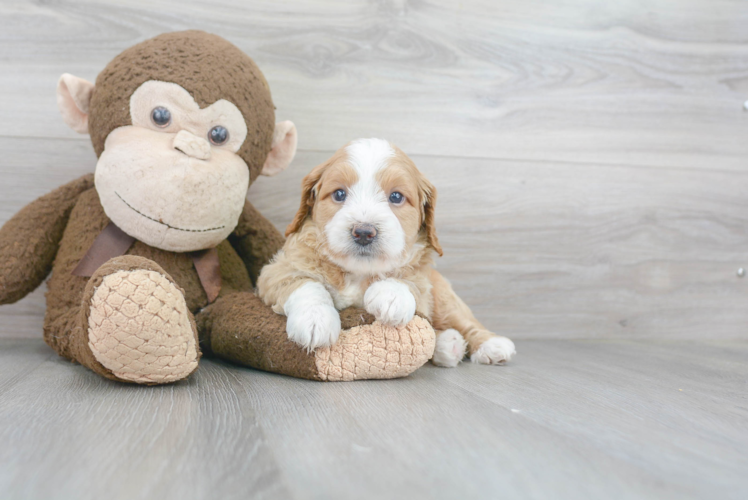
(207, 66)
(68, 295)
(240, 328)
(88, 219)
(30, 239)
(256, 240)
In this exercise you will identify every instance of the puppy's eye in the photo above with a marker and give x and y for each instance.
(161, 116)
(339, 196)
(396, 198)
(218, 135)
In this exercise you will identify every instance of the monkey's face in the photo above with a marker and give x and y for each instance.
(173, 178)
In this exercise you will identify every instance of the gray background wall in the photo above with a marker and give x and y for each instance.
(591, 156)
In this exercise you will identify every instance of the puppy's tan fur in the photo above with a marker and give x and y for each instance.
(306, 256)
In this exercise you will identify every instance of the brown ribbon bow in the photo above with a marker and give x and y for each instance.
(113, 242)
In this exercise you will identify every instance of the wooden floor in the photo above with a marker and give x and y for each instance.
(591, 159)
(567, 420)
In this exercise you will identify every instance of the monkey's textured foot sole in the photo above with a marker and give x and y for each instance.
(377, 351)
(139, 328)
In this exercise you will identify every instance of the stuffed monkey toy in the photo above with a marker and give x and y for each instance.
(154, 257)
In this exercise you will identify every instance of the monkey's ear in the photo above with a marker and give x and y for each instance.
(73, 98)
(283, 150)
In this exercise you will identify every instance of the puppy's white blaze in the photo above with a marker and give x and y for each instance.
(369, 156)
(367, 203)
(312, 320)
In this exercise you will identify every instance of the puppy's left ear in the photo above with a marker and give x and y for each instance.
(283, 149)
(308, 196)
(428, 200)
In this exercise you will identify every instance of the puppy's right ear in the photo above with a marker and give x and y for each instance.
(309, 190)
(73, 97)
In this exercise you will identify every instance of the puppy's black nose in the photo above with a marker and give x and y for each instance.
(363, 234)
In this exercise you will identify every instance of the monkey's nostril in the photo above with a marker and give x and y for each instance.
(363, 234)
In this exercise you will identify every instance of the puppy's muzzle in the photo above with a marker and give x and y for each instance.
(363, 234)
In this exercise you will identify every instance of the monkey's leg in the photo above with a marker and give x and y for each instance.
(241, 328)
(133, 325)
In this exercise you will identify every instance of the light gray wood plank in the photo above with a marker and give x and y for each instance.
(18, 358)
(70, 434)
(537, 249)
(414, 439)
(579, 81)
(685, 400)
(566, 419)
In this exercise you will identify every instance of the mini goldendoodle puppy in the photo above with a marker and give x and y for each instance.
(364, 236)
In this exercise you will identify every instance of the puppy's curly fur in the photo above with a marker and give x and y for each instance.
(364, 236)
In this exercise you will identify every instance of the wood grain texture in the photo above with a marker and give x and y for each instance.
(537, 249)
(590, 155)
(579, 80)
(566, 420)
(85, 437)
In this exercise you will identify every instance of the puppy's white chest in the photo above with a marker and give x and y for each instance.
(351, 295)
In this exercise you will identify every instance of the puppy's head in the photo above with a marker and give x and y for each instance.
(371, 206)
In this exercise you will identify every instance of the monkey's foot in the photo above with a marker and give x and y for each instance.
(139, 328)
(376, 351)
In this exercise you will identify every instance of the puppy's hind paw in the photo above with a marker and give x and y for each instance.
(494, 351)
(450, 348)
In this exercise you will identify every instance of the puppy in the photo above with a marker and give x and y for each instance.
(364, 236)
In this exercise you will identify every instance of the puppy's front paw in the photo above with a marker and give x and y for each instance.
(390, 301)
(312, 320)
(317, 326)
(494, 351)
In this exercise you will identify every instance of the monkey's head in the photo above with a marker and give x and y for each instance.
(182, 124)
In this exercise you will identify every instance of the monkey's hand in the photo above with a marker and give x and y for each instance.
(30, 239)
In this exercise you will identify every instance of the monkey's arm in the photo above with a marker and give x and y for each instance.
(30, 239)
(256, 240)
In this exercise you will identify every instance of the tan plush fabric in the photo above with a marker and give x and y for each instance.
(140, 329)
(207, 66)
(376, 352)
(73, 96)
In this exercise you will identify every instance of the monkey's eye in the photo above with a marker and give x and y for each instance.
(161, 116)
(339, 196)
(218, 135)
(396, 198)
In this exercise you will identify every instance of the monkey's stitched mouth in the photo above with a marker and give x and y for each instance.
(164, 223)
